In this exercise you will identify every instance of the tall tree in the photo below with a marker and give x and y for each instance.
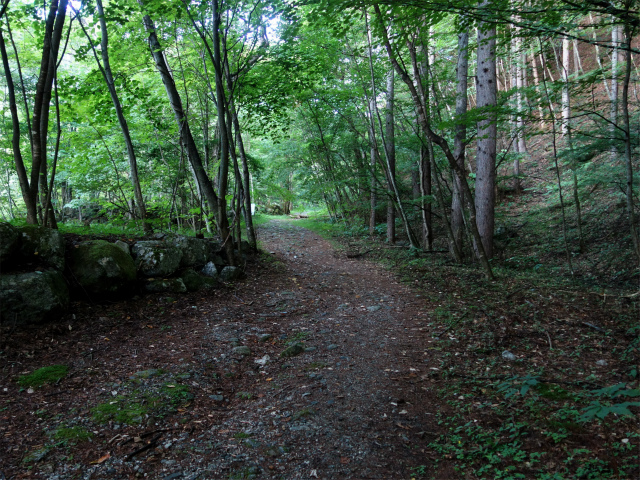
(487, 129)
(35, 183)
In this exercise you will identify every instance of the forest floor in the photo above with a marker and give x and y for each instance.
(389, 375)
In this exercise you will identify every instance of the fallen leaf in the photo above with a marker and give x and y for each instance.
(137, 439)
(102, 459)
(344, 460)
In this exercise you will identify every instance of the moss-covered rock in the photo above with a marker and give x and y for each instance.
(156, 258)
(194, 250)
(229, 274)
(194, 282)
(102, 268)
(165, 285)
(9, 242)
(42, 243)
(34, 297)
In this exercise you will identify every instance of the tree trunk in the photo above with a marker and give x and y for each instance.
(628, 144)
(457, 220)
(32, 216)
(390, 146)
(565, 69)
(616, 38)
(373, 200)
(108, 77)
(423, 120)
(487, 131)
(223, 175)
(424, 169)
(186, 138)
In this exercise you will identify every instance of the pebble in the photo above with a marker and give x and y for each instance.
(374, 308)
(293, 350)
(333, 346)
(265, 337)
(217, 398)
(241, 350)
(602, 363)
(507, 355)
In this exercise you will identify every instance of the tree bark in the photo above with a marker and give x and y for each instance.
(457, 220)
(628, 144)
(487, 132)
(390, 146)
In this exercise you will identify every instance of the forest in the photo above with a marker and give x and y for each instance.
(486, 152)
(424, 117)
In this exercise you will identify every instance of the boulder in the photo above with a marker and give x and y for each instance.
(213, 251)
(44, 244)
(33, 297)
(124, 246)
(9, 241)
(102, 268)
(210, 270)
(195, 282)
(156, 259)
(228, 274)
(165, 285)
(194, 250)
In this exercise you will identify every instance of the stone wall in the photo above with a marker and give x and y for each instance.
(39, 276)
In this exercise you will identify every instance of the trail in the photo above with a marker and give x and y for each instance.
(355, 404)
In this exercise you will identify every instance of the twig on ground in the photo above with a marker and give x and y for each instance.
(151, 443)
(550, 346)
(595, 327)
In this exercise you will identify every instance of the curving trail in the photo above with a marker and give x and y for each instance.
(355, 404)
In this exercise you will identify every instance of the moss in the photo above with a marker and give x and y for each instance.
(71, 434)
(51, 374)
(122, 410)
(136, 405)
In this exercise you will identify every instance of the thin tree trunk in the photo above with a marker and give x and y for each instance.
(557, 168)
(410, 236)
(438, 140)
(457, 219)
(186, 138)
(628, 143)
(108, 77)
(424, 168)
(390, 146)
(372, 196)
(616, 38)
(566, 99)
(32, 216)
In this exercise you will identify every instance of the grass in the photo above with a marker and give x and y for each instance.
(44, 375)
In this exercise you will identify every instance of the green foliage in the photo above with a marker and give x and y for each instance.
(44, 375)
(71, 434)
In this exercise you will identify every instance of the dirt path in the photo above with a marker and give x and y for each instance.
(354, 404)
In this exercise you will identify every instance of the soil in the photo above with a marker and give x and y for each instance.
(382, 368)
(353, 404)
